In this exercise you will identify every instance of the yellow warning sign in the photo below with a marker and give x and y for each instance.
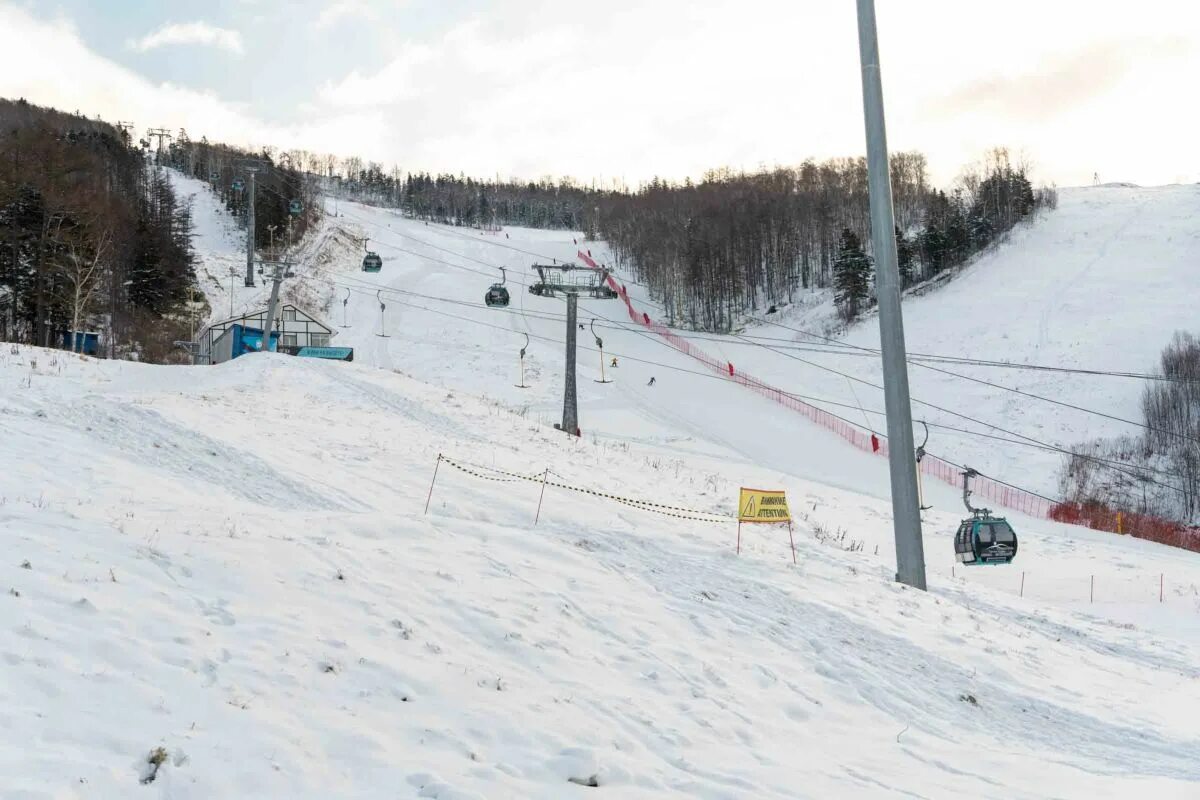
(760, 505)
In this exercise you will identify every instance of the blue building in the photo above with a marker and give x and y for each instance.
(238, 340)
(86, 342)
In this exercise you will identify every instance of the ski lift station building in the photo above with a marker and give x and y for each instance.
(294, 328)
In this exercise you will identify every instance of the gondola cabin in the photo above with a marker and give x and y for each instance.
(372, 263)
(497, 295)
(984, 539)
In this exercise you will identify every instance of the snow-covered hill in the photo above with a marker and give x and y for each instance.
(233, 564)
(1101, 283)
(220, 248)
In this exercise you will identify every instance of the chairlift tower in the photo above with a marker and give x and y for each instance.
(906, 504)
(275, 271)
(251, 171)
(160, 134)
(571, 281)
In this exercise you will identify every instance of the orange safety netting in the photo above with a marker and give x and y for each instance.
(1096, 516)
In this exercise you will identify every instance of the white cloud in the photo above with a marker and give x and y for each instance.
(343, 9)
(671, 88)
(62, 72)
(189, 33)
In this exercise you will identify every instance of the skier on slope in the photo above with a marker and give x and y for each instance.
(651, 383)
(614, 361)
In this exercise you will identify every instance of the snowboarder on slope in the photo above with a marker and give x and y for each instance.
(651, 383)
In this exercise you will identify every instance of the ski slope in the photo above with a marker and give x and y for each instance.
(233, 563)
(263, 598)
(1101, 283)
(220, 248)
(438, 329)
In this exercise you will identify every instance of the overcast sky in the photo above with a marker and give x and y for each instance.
(621, 88)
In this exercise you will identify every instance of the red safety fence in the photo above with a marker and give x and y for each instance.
(1141, 526)
(1096, 516)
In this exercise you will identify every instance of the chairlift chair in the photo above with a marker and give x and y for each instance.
(983, 539)
(600, 347)
(522, 384)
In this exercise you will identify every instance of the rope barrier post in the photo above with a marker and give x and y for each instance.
(1092, 595)
(1160, 587)
(739, 538)
(1022, 583)
(437, 464)
(792, 541)
(545, 477)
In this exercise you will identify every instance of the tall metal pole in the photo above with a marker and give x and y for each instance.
(906, 512)
(570, 421)
(250, 231)
(280, 270)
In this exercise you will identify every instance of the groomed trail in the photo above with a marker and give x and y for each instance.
(233, 563)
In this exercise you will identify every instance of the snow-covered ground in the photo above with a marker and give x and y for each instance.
(232, 563)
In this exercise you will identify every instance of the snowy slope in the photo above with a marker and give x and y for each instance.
(220, 248)
(438, 329)
(264, 599)
(1101, 283)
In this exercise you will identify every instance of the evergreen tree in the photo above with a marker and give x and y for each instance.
(904, 258)
(851, 275)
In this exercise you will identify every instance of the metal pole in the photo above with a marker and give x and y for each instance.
(570, 421)
(545, 477)
(250, 231)
(276, 279)
(906, 512)
(433, 482)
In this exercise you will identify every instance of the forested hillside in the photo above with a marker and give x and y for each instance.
(96, 238)
(459, 200)
(91, 238)
(278, 183)
(736, 242)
